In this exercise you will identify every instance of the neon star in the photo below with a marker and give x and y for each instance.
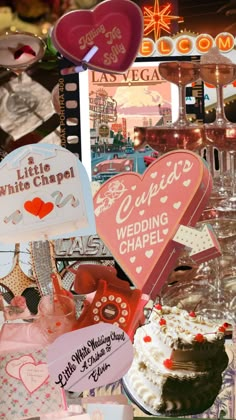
(158, 18)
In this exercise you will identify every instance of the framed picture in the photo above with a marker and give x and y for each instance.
(120, 105)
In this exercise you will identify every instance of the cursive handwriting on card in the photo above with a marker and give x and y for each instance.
(110, 38)
(94, 362)
(88, 355)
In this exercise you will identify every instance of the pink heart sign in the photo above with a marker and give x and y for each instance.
(138, 216)
(33, 375)
(115, 27)
(13, 366)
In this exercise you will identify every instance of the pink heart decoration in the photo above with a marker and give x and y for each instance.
(137, 216)
(33, 375)
(115, 27)
(13, 366)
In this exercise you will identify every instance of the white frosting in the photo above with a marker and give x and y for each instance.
(181, 328)
(158, 386)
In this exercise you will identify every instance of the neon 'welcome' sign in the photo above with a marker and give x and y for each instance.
(187, 44)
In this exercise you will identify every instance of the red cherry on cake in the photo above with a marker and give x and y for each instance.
(147, 339)
(226, 325)
(222, 329)
(168, 363)
(158, 307)
(199, 337)
(162, 321)
(192, 314)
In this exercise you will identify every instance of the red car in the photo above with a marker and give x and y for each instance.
(150, 158)
(107, 168)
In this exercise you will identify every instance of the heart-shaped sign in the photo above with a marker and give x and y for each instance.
(115, 27)
(173, 190)
(33, 375)
(13, 366)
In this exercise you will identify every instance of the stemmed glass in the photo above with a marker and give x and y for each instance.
(181, 134)
(181, 73)
(219, 300)
(209, 289)
(229, 204)
(221, 133)
(218, 75)
(191, 294)
(19, 51)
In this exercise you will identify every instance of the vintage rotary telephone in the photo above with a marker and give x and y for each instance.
(108, 298)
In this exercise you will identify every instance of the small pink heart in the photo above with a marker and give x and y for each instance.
(14, 365)
(115, 27)
(33, 375)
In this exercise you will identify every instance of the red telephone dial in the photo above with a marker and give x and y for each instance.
(113, 300)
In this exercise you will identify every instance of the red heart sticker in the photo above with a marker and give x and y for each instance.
(33, 375)
(138, 216)
(38, 207)
(115, 27)
(33, 206)
(45, 209)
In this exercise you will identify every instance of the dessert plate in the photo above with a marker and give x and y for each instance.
(135, 399)
(115, 27)
(147, 410)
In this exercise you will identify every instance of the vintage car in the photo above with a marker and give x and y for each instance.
(129, 150)
(150, 158)
(107, 168)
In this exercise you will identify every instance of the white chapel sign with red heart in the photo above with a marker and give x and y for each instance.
(44, 194)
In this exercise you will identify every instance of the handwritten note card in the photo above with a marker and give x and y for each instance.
(89, 358)
(25, 386)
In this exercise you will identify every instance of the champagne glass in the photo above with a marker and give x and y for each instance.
(221, 133)
(209, 288)
(228, 205)
(219, 300)
(218, 74)
(222, 185)
(204, 292)
(181, 134)
(19, 51)
(191, 294)
(225, 231)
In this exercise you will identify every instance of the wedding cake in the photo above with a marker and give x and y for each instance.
(178, 363)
